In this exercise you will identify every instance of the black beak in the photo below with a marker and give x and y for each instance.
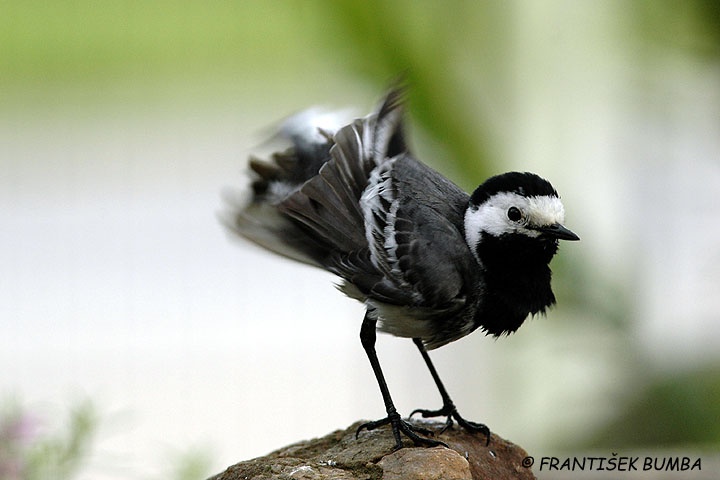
(558, 231)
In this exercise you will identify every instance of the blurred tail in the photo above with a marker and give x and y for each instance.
(305, 200)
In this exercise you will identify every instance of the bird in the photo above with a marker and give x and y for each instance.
(429, 261)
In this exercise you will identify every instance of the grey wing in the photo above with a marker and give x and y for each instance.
(414, 223)
(414, 219)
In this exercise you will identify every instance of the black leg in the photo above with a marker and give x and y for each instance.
(368, 337)
(448, 409)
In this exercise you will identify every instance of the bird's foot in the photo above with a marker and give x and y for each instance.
(450, 412)
(401, 426)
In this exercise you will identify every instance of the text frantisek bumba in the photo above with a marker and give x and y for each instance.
(615, 463)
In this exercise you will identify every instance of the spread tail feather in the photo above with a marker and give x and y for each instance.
(305, 200)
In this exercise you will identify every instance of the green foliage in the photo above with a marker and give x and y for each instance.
(191, 465)
(51, 41)
(28, 452)
(689, 27)
(669, 411)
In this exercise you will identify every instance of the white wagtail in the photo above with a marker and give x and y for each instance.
(429, 261)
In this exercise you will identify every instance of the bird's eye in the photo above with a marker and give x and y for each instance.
(514, 214)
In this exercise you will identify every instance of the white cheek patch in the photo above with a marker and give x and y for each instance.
(486, 218)
(491, 216)
(475, 222)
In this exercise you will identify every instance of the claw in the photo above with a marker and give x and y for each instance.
(401, 426)
(451, 413)
(435, 413)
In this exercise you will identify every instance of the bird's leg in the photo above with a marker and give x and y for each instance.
(448, 409)
(367, 337)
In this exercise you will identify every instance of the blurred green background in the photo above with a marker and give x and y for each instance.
(616, 102)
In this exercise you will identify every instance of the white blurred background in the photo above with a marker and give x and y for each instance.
(121, 124)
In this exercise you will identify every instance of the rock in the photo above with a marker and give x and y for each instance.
(437, 463)
(339, 456)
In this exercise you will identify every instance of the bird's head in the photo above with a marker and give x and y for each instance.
(516, 208)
